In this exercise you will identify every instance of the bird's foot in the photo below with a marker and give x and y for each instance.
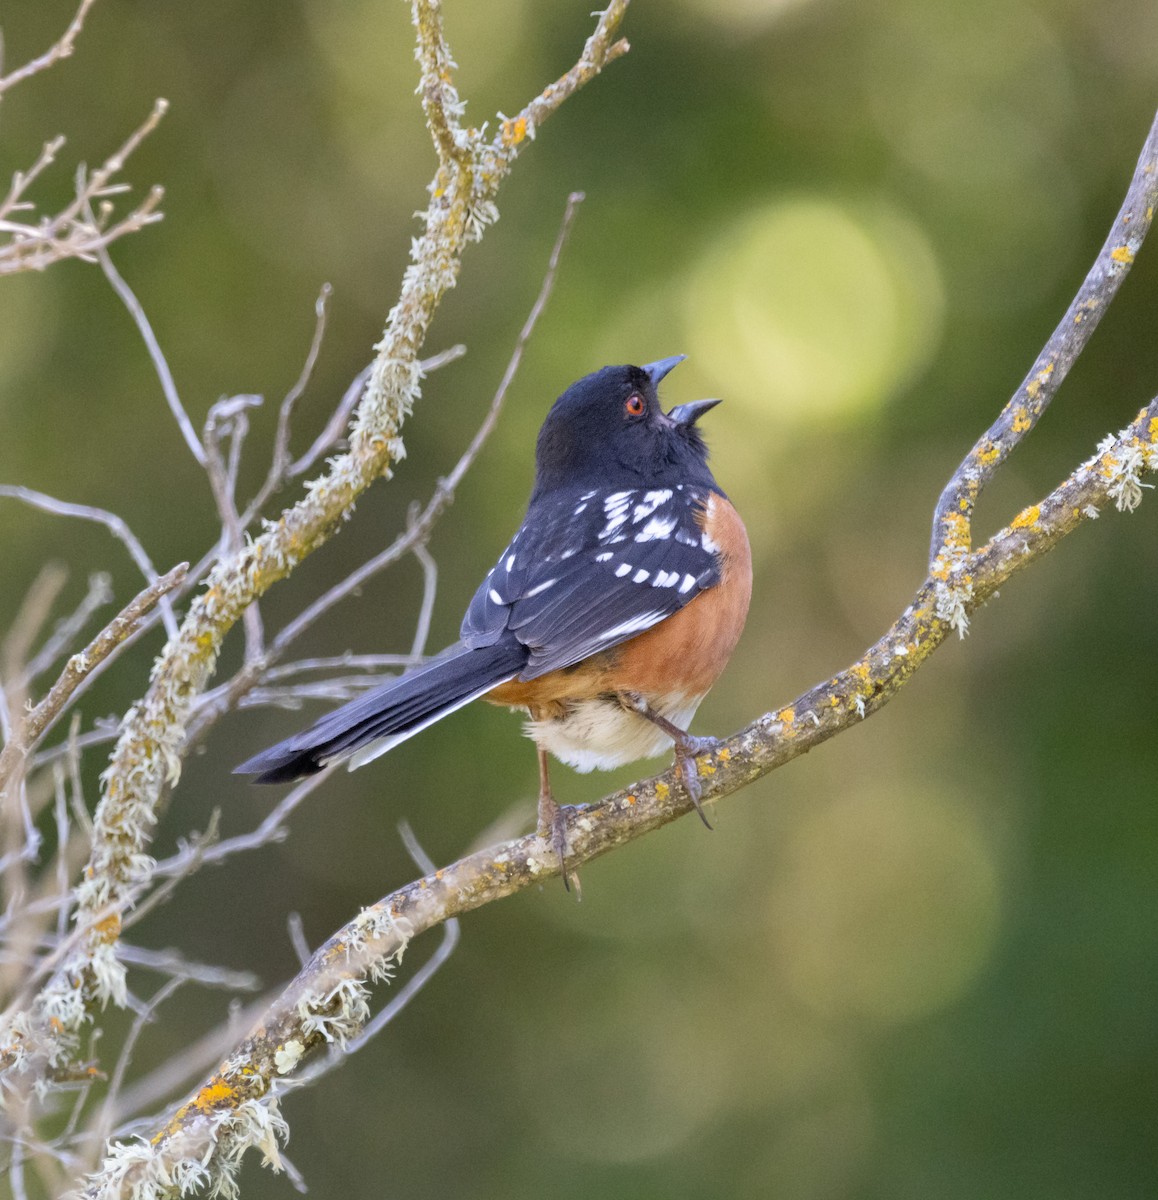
(552, 828)
(686, 749)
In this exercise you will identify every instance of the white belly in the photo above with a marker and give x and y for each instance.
(601, 733)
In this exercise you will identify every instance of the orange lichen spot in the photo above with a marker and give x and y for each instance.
(514, 131)
(1123, 255)
(630, 798)
(56, 1024)
(214, 1095)
(1021, 421)
(1026, 518)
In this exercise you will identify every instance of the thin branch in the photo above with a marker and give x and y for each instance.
(340, 417)
(113, 523)
(76, 231)
(100, 593)
(41, 719)
(271, 830)
(280, 459)
(61, 48)
(953, 517)
(156, 354)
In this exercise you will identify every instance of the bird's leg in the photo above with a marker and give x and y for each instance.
(552, 824)
(686, 746)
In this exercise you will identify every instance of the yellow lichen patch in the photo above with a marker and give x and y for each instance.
(1026, 518)
(956, 527)
(215, 1095)
(1021, 421)
(1123, 255)
(786, 716)
(662, 791)
(1154, 430)
(988, 454)
(109, 929)
(514, 131)
(860, 671)
(724, 754)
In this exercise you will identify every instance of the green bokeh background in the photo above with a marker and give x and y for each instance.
(921, 961)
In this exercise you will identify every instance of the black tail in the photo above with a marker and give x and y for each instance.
(373, 723)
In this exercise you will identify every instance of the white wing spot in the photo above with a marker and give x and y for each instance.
(581, 508)
(688, 583)
(665, 579)
(656, 529)
(622, 569)
(495, 596)
(640, 576)
(510, 562)
(708, 544)
(650, 502)
(540, 587)
(604, 556)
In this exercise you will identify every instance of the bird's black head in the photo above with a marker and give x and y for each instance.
(609, 430)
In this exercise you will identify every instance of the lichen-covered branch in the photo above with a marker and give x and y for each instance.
(147, 758)
(953, 516)
(236, 1108)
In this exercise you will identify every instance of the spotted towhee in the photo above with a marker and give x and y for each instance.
(608, 616)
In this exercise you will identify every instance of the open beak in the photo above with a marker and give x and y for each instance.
(689, 414)
(657, 370)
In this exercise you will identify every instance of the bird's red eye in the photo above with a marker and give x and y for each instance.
(635, 405)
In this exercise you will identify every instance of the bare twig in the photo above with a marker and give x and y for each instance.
(280, 459)
(38, 722)
(271, 830)
(113, 523)
(85, 225)
(156, 354)
(61, 48)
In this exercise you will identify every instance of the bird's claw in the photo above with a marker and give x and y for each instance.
(686, 751)
(552, 829)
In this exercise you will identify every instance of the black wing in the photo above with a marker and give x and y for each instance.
(589, 570)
